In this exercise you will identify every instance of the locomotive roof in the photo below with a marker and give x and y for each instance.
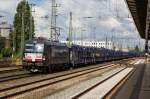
(55, 43)
(47, 42)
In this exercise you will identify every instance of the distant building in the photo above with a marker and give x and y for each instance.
(5, 29)
(125, 50)
(99, 44)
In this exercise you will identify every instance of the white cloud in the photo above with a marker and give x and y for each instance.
(8, 9)
(41, 24)
(8, 5)
(110, 23)
(110, 16)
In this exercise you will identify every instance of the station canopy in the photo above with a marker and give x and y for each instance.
(140, 11)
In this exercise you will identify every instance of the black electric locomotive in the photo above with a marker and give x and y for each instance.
(43, 55)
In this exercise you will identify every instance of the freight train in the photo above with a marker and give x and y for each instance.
(42, 55)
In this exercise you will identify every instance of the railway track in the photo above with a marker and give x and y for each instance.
(20, 89)
(10, 69)
(17, 89)
(5, 62)
(14, 75)
(78, 90)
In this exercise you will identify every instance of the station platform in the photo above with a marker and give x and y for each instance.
(138, 85)
(145, 87)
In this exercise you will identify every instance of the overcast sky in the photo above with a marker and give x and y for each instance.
(110, 18)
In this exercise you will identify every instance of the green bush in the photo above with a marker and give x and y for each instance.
(16, 55)
(6, 52)
(2, 43)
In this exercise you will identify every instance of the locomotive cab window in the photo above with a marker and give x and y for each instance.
(34, 48)
(29, 48)
(39, 48)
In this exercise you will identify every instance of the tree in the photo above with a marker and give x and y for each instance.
(23, 12)
(2, 43)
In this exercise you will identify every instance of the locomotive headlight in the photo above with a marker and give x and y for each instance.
(44, 58)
